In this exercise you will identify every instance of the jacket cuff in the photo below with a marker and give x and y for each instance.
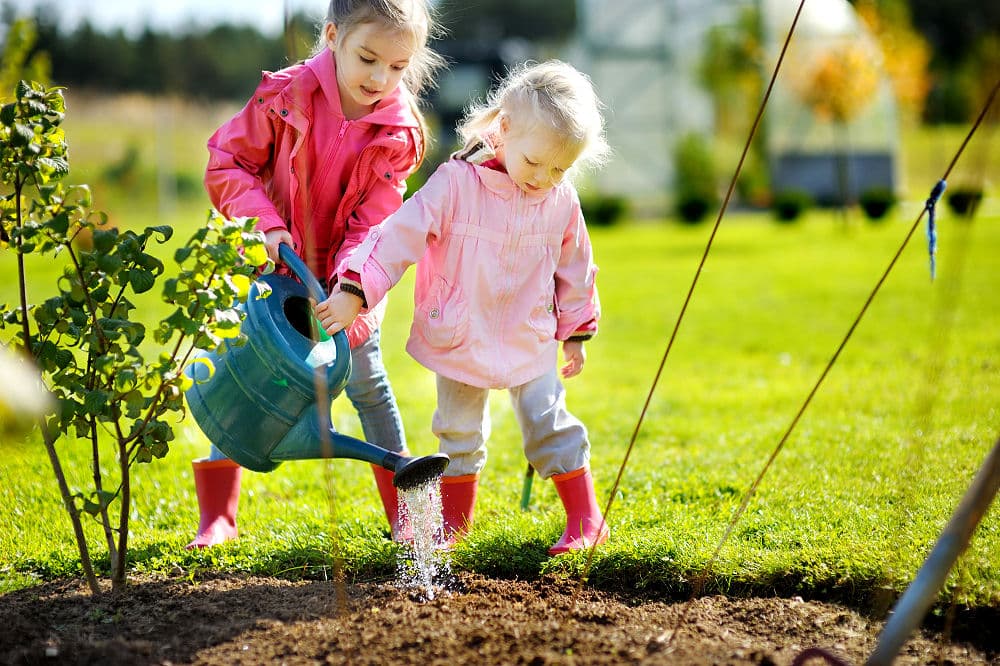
(350, 283)
(269, 222)
(584, 332)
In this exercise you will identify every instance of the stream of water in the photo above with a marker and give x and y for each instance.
(423, 563)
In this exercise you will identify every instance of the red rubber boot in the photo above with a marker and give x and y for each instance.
(458, 504)
(585, 525)
(402, 531)
(217, 483)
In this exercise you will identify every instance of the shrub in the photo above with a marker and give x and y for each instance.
(790, 204)
(964, 201)
(694, 183)
(877, 202)
(603, 209)
(105, 394)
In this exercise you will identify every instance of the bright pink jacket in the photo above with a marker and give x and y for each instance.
(501, 278)
(291, 159)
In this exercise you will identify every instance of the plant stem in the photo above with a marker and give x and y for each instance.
(47, 436)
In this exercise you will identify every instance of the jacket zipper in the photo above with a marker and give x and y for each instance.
(504, 369)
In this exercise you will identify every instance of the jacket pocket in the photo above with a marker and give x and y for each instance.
(543, 319)
(442, 318)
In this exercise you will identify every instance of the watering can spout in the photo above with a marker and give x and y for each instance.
(305, 442)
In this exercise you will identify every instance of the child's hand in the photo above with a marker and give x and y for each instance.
(338, 311)
(575, 358)
(274, 238)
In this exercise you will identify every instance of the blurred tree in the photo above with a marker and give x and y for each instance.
(837, 86)
(954, 27)
(86, 56)
(906, 54)
(839, 83)
(221, 62)
(495, 20)
(958, 31)
(216, 64)
(731, 69)
(20, 60)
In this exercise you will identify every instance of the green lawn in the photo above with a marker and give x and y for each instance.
(852, 504)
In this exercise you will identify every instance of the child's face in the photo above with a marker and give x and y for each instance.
(371, 62)
(536, 159)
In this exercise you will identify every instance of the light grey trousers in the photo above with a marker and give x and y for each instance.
(554, 440)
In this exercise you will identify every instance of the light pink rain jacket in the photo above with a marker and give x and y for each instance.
(291, 159)
(502, 276)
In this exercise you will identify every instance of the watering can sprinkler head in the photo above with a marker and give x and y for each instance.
(414, 472)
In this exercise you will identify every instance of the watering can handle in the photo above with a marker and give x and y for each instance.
(297, 266)
(316, 292)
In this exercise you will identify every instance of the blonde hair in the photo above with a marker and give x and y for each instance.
(552, 94)
(412, 16)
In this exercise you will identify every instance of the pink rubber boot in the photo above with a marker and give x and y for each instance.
(458, 504)
(217, 483)
(585, 525)
(402, 531)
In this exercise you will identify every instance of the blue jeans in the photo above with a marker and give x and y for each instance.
(371, 394)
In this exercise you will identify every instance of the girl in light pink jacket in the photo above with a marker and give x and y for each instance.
(505, 272)
(319, 155)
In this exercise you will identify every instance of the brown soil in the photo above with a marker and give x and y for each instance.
(240, 620)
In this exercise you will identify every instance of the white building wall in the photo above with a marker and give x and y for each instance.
(644, 55)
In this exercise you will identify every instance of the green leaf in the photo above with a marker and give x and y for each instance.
(256, 255)
(67, 409)
(150, 263)
(22, 135)
(159, 449)
(141, 280)
(109, 263)
(64, 357)
(53, 167)
(95, 402)
(182, 253)
(134, 403)
(125, 379)
(200, 375)
(104, 240)
(7, 114)
(165, 231)
(100, 501)
(59, 223)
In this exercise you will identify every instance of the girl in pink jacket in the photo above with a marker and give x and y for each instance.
(319, 155)
(505, 273)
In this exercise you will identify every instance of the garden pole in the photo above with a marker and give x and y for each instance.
(913, 605)
(529, 475)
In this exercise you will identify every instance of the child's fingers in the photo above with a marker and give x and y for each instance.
(572, 368)
(331, 323)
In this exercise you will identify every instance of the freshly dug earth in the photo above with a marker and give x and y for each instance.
(240, 620)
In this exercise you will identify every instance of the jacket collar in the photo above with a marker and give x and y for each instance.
(481, 150)
(396, 110)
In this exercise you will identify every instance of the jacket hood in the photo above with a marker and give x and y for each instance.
(396, 110)
(479, 152)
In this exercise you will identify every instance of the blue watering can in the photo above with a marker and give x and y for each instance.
(269, 400)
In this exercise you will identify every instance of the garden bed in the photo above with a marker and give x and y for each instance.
(250, 620)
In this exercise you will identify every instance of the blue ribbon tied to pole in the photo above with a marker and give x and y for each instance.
(931, 227)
